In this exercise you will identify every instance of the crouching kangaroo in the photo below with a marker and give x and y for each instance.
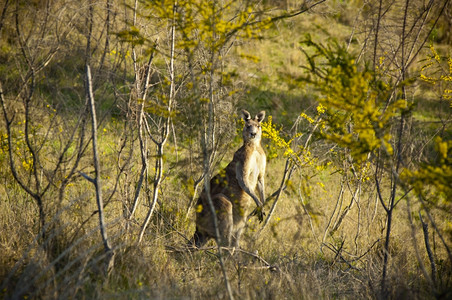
(233, 189)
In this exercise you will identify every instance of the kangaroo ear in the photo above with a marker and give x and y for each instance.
(260, 116)
(246, 115)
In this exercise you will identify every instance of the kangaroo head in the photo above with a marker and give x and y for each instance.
(252, 131)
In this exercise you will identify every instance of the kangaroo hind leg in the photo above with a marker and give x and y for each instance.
(223, 209)
(198, 240)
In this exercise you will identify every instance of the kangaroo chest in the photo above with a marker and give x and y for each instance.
(253, 164)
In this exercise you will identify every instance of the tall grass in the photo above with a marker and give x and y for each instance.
(290, 258)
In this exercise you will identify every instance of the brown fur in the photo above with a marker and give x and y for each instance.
(233, 189)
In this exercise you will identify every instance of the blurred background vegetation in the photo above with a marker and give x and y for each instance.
(114, 112)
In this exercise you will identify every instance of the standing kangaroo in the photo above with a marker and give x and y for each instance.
(233, 188)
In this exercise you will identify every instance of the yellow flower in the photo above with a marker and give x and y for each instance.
(321, 109)
(306, 117)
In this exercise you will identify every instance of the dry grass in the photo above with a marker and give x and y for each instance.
(345, 265)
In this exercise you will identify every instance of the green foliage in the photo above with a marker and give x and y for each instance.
(270, 131)
(290, 148)
(207, 24)
(432, 180)
(132, 36)
(437, 72)
(353, 104)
